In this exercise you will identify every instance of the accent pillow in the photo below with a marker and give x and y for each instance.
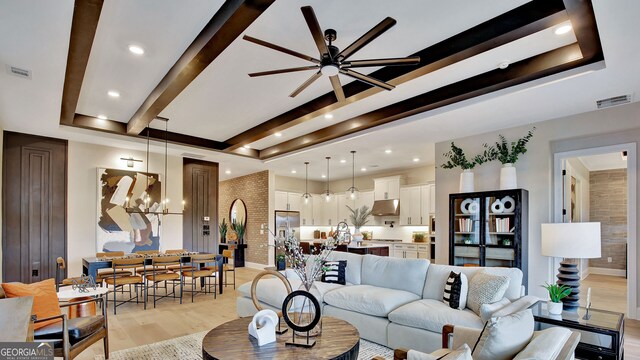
(45, 299)
(486, 288)
(502, 338)
(455, 291)
(487, 310)
(462, 353)
(335, 272)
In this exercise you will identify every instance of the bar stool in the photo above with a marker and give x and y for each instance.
(119, 281)
(228, 266)
(157, 277)
(201, 270)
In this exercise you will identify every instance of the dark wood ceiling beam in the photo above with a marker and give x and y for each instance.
(233, 18)
(512, 25)
(536, 67)
(86, 14)
(583, 21)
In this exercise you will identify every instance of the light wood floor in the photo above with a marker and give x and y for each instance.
(134, 326)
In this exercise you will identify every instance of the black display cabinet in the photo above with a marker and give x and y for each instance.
(489, 228)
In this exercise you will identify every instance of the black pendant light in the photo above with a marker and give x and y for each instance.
(306, 196)
(352, 192)
(327, 194)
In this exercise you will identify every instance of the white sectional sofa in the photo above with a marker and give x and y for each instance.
(393, 302)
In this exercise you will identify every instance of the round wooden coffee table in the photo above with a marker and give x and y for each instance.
(231, 340)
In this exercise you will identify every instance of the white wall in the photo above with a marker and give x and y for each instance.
(535, 171)
(82, 197)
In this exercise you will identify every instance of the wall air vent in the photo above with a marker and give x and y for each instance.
(23, 73)
(613, 101)
(192, 156)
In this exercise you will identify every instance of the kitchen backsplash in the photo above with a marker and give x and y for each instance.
(379, 232)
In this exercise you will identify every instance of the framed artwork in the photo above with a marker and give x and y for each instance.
(119, 230)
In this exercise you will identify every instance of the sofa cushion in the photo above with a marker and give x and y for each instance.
(431, 315)
(79, 328)
(487, 310)
(334, 272)
(393, 273)
(504, 337)
(485, 288)
(438, 274)
(545, 344)
(45, 299)
(354, 265)
(455, 291)
(370, 300)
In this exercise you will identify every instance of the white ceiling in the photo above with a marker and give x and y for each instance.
(600, 162)
(36, 37)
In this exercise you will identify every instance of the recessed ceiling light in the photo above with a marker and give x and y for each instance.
(135, 49)
(561, 30)
(388, 151)
(278, 134)
(343, 161)
(328, 116)
(228, 172)
(102, 117)
(324, 176)
(416, 159)
(247, 146)
(293, 171)
(113, 93)
(363, 169)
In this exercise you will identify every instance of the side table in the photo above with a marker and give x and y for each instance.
(81, 310)
(601, 336)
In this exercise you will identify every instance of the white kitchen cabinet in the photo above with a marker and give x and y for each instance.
(306, 211)
(405, 251)
(281, 200)
(294, 200)
(424, 252)
(318, 210)
(387, 188)
(410, 205)
(432, 199)
(288, 201)
(343, 212)
(425, 204)
(365, 198)
(330, 210)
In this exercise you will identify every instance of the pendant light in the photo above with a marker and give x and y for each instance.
(352, 192)
(306, 196)
(327, 194)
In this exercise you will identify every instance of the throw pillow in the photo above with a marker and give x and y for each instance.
(486, 288)
(455, 291)
(504, 337)
(487, 310)
(45, 299)
(335, 272)
(462, 353)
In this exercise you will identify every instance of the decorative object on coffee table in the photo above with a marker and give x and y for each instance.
(571, 241)
(83, 284)
(254, 297)
(263, 327)
(556, 294)
(230, 341)
(302, 319)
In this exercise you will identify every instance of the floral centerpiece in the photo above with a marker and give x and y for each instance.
(359, 217)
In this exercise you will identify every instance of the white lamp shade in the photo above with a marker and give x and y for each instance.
(571, 240)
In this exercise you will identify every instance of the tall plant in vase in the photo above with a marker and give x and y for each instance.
(223, 228)
(240, 227)
(359, 217)
(508, 154)
(458, 159)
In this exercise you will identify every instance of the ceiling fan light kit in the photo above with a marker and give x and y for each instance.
(332, 61)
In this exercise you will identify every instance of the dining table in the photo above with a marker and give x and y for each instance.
(91, 265)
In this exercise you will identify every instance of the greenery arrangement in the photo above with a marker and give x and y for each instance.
(457, 158)
(557, 292)
(359, 217)
(239, 227)
(508, 153)
(223, 227)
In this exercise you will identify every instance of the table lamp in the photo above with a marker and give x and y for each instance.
(571, 241)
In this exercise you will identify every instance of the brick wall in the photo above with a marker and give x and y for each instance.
(608, 205)
(253, 189)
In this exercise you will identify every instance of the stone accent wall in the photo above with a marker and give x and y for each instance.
(253, 189)
(608, 205)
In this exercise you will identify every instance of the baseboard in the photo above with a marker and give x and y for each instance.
(585, 273)
(605, 271)
(253, 265)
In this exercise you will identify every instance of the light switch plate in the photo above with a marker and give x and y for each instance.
(206, 218)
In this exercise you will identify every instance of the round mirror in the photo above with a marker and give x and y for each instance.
(238, 211)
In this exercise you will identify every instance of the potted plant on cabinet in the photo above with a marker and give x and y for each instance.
(223, 228)
(359, 218)
(508, 153)
(458, 159)
(281, 262)
(240, 228)
(556, 294)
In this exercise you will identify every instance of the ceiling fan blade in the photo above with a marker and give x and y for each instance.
(280, 48)
(376, 31)
(282, 71)
(413, 60)
(367, 79)
(337, 87)
(314, 27)
(305, 84)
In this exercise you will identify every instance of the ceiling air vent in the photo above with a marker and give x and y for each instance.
(23, 73)
(193, 156)
(613, 101)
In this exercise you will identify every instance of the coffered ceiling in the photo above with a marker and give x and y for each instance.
(195, 65)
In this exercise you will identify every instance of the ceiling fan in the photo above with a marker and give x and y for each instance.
(332, 61)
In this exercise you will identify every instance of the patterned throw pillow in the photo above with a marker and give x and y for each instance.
(335, 272)
(455, 291)
(486, 288)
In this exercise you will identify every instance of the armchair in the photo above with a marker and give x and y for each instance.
(70, 337)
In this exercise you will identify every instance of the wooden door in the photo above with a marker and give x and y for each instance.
(34, 206)
(200, 191)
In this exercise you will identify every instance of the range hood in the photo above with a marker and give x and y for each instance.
(389, 207)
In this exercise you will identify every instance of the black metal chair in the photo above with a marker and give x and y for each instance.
(118, 281)
(203, 267)
(160, 277)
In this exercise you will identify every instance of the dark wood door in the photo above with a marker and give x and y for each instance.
(200, 191)
(34, 206)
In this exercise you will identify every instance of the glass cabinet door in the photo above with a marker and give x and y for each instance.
(500, 230)
(466, 250)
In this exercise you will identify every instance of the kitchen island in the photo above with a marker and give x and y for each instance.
(371, 249)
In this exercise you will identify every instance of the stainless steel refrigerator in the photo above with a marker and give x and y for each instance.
(286, 220)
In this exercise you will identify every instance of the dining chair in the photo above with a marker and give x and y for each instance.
(229, 266)
(61, 265)
(202, 268)
(104, 273)
(181, 267)
(147, 268)
(137, 281)
(157, 277)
